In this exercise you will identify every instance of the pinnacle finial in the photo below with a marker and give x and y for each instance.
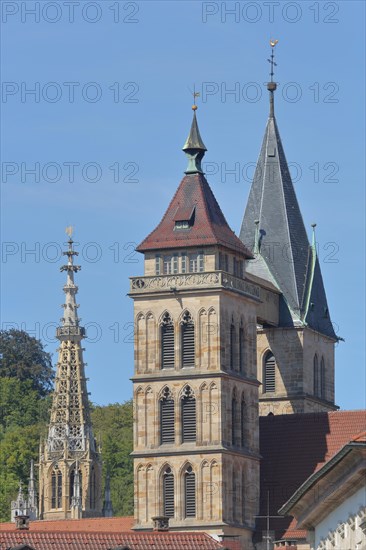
(313, 225)
(271, 86)
(194, 147)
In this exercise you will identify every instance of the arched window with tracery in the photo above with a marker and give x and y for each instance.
(168, 493)
(189, 424)
(167, 343)
(188, 340)
(269, 373)
(56, 489)
(189, 493)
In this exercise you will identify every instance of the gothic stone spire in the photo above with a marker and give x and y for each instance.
(70, 434)
(274, 228)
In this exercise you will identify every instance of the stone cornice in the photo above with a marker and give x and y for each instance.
(193, 281)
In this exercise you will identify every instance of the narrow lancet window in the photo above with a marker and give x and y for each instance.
(189, 493)
(168, 493)
(188, 415)
(167, 343)
(269, 373)
(188, 344)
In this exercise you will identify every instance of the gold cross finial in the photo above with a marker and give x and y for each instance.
(69, 230)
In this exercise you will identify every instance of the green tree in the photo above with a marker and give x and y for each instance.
(23, 357)
(18, 445)
(112, 426)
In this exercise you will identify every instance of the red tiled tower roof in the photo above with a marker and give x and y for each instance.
(193, 201)
(293, 447)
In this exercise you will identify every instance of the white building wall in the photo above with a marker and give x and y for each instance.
(341, 529)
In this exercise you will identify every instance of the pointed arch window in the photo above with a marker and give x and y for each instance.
(316, 375)
(168, 493)
(241, 349)
(188, 341)
(188, 415)
(234, 494)
(269, 373)
(72, 484)
(167, 417)
(92, 488)
(56, 489)
(189, 493)
(167, 342)
(242, 422)
(234, 413)
(232, 345)
(322, 378)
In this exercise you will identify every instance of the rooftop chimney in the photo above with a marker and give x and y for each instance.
(161, 523)
(22, 523)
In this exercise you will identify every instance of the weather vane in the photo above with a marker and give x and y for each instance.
(69, 230)
(195, 95)
(271, 61)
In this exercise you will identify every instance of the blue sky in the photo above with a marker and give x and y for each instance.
(115, 93)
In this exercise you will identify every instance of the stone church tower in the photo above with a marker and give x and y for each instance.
(196, 455)
(296, 355)
(70, 465)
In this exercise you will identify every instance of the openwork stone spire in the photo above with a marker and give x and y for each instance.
(70, 425)
(70, 466)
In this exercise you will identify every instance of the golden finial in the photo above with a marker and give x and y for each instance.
(69, 230)
(273, 43)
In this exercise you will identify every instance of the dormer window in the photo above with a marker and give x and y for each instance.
(184, 218)
(182, 224)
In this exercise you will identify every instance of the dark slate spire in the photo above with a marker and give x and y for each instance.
(194, 147)
(273, 227)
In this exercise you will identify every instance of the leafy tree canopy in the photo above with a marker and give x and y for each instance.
(23, 357)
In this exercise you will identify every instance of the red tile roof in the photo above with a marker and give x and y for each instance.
(90, 525)
(193, 198)
(293, 447)
(106, 541)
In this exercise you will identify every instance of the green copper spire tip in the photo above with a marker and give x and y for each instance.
(194, 147)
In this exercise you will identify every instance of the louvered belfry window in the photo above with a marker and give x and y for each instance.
(190, 493)
(167, 342)
(188, 348)
(269, 373)
(242, 423)
(234, 412)
(188, 415)
(167, 432)
(232, 345)
(241, 349)
(168, 493)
